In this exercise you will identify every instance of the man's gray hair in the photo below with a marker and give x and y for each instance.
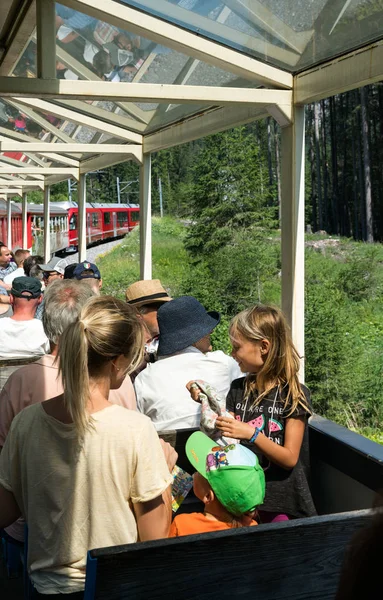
(63, 301)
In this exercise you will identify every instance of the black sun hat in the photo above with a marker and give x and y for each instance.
(182, 322)
(26, 287)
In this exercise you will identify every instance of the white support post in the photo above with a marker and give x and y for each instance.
(47, 233)
(46, 39)
(24, 220)
(9, 222)
(146, 218)
(293, 225)
(81, 225)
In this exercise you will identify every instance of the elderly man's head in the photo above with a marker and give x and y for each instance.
(63, 301)
(25, 297)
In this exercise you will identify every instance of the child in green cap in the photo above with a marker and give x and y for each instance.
(229, 481)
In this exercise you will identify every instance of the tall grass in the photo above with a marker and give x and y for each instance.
(120, 267)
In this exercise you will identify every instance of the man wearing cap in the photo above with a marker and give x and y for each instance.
(89, 273)
(183, 355)
(147, 296)
(22, 336)
(53, 270)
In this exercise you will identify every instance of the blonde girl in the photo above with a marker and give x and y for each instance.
(271, 409)
(83, 472)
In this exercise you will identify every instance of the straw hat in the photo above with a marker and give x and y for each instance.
(147, 291)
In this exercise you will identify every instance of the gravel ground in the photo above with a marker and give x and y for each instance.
(93, 253)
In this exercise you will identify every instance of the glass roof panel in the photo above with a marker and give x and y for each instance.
(21, 118)
(99, 50)
(12, 118)
(95, 50)
(292, 34)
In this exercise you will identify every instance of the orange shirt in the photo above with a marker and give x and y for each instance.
(187, 524)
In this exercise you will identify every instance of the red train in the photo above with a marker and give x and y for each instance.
(103, 221)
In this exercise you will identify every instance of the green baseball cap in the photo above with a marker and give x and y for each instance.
(26, 287)
(233, 471)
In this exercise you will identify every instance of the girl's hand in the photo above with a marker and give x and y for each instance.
(194, 390)
(234, 429)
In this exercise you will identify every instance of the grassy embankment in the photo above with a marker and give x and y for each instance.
(120, 267)
(344, 308)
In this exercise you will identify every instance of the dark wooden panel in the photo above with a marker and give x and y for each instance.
(351, 453)
(296, 560)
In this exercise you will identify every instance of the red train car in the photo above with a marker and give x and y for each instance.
(103, 221)
(16, 222)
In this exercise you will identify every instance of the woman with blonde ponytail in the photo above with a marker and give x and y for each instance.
(271, 409)
(85, 473)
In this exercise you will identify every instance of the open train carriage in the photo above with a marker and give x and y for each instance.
(58, 228)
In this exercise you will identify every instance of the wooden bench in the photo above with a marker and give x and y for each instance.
(295, 560)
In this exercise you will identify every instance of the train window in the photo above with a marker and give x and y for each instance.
(94, 219)
(135, 216)
(73, 222)
(107, 218)
(122, 218)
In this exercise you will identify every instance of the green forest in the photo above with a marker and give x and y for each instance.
(220, 239)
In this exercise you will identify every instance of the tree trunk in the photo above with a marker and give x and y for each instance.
(314, 197)
(318, 165)
(325, 167)
(334, 167)
(269, 153)
(344, 215)
(366, 166)
(379, 159)
(362, 210)
(278, 167)
(355, 184)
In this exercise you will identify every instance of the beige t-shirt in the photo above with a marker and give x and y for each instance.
(73, 503)
(35, 383)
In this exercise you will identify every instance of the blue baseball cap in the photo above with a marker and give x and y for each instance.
(86, 270)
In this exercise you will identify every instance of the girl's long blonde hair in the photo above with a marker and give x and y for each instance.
(105, 329)
(282, 362)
